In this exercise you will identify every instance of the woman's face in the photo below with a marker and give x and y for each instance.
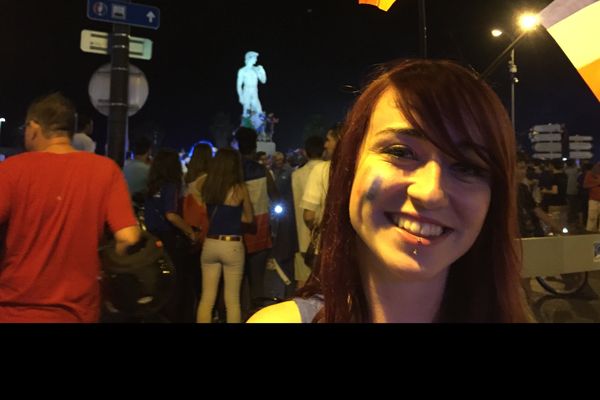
(415, 209)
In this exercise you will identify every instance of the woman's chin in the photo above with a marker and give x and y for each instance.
(411, 268)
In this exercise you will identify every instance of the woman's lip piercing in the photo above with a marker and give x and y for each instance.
(415, 251)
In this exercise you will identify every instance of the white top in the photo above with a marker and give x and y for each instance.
(316, 190)
(299, 181)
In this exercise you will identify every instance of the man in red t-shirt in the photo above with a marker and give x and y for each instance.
(54, 204)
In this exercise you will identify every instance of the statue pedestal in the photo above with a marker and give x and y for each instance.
(267, 147)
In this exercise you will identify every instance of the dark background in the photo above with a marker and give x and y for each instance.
(310, 50)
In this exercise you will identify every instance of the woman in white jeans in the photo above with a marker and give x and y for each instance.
(228, 205)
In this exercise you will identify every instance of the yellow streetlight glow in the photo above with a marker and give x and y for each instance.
(528, 21)
(496, 32)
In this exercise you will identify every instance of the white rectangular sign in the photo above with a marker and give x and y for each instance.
(545, 137)
(97, 42)
(547, 147)
(579, 138)
(547, 156)
(580, 146)
(548, 128)
(581, 155)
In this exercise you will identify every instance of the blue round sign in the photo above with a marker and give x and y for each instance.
(100, 9)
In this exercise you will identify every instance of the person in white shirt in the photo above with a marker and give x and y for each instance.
(313, 200)
(314, 151)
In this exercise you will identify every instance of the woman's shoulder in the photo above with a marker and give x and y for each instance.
(285, 312)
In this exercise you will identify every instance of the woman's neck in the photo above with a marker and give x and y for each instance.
(393, 299)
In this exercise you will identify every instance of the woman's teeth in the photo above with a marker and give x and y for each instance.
(419, 228)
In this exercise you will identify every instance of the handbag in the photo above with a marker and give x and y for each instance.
(312, 251)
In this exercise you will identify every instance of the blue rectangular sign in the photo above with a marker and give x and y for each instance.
(116, 12)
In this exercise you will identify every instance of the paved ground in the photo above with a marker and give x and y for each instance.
(583, 307)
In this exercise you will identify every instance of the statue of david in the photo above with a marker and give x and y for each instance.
(247, 85)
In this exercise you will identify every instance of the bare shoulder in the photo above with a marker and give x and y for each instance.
(285, 312)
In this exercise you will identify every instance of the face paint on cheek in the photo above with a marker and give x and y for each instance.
(373, 191)
(367, 197)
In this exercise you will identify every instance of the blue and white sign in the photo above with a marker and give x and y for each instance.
(116, 12)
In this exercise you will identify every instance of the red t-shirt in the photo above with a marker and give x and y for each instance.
(53, 210)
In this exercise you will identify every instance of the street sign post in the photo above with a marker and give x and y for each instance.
(97, 43)
(119, 12)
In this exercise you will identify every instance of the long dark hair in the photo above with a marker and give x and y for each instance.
(437, 98)
(224, 172)
(201, 158)
(166, 168)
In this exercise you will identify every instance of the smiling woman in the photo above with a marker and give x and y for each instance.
(420, 217)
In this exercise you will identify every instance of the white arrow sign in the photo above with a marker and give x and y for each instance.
(548, 128)
(151, 16)
(548, 146)
(580, 146)
(546, 137)
(579, 138)
(582, 155)
(97, 42)
(547, 156)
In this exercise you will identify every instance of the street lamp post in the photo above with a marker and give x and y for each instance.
(512, 69)
(527, 23)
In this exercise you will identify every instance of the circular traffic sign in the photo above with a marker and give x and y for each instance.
(99, 89)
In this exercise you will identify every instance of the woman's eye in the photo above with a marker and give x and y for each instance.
(469, 170)
(400, 152)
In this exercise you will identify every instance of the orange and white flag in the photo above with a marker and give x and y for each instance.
(575, 25)
(381, 4)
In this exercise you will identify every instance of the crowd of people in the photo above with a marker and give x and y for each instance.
(406, 212)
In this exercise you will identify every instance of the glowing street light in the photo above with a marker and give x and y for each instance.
(528, 21)
(497, 32)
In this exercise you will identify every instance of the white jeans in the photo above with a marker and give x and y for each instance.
(217, 256)
(593, 214)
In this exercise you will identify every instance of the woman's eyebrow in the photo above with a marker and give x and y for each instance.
(401, 131)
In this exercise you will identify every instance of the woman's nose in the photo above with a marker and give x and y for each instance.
(426, 187)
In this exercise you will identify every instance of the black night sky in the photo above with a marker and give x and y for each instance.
(309, 48)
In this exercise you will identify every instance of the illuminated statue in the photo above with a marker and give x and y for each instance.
(247, 85)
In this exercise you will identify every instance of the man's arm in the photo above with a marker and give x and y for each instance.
(119, 213)
(126, 237)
